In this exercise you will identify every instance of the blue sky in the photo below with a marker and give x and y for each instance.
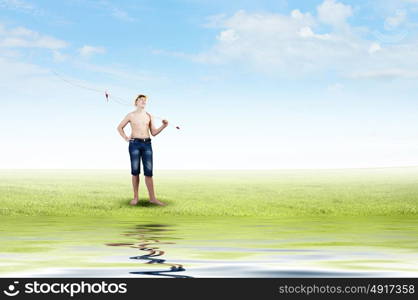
(252, 84)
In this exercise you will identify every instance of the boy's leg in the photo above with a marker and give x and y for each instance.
(134, 154)
(135, 186)
(150, 186)
(148, 173)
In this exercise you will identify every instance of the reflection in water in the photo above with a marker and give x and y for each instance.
(215, 247)
(144, 234)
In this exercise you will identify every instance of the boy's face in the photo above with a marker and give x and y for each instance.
(141, 102)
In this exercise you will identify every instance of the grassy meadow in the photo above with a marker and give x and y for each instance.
(269, 193)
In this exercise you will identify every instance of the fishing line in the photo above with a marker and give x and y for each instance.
(108, 96)
(106, 93)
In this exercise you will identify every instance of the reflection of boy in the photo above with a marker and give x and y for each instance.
(142, 124)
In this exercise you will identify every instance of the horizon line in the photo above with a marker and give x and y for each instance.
(232, 169)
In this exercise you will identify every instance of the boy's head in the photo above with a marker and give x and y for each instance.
(141, 101)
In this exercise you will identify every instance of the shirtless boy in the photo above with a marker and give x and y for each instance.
(142, 124)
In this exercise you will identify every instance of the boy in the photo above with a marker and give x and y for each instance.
(142, 124)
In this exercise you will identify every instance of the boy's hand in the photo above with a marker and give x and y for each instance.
(165, 122)
(127, 138)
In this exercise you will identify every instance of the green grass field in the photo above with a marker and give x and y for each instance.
(333, 192)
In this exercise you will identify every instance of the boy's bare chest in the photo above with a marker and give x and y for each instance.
(140, 121)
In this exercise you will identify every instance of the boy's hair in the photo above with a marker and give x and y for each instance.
(140, 96)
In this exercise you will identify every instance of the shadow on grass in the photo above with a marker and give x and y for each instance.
(144, 203)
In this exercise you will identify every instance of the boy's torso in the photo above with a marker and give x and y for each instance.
(140, 124)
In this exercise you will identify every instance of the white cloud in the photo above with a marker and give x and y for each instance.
(21, 6)
(395, 20)
(374, 47)
(334, 13)
(121, 15)
(21, 37)
(116, 12)
(299, 44)
(88, 50)
(306, 32)
(270, 42)
(228, 35)
(298, 15)
(16, 69)
(57, 56)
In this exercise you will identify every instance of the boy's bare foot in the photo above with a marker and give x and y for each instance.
(158, 202)
(134, 202)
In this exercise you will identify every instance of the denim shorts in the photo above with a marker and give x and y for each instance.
(140, 149)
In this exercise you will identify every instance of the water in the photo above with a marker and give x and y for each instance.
(209, 247)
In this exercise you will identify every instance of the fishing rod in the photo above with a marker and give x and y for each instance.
(107, 95)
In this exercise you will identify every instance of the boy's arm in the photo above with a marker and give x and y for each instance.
(122, 125)
(154, 131)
